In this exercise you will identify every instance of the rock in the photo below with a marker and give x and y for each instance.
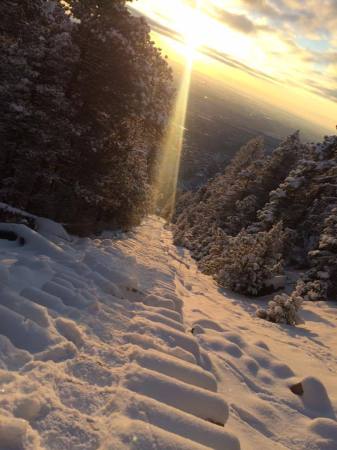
(197, 329)
(297, 389)
(262, 314)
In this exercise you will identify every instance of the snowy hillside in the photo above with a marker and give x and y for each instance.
(121, 343)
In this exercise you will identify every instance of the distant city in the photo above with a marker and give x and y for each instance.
(220, 121)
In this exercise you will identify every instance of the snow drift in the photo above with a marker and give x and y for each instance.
(119, 342)
(93, 348)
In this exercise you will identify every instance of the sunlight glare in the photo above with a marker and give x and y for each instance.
(190, 26)
(169, 164)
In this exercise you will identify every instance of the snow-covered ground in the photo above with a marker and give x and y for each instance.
(120, 343)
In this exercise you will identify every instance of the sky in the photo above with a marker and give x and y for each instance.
(281, 51)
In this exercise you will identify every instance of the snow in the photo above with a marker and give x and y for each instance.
(119, 342)
(256, 362)
(10, 209)
(17, 434)
(34, 240)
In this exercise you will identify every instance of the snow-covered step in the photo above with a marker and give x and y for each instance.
(180, 423)
(177, 300)
(159, 318)
(24, 333)
(170, 302)
(169, 313)
(117, 276)
(160, 302)
(105, 285)
(68, 296)
(74, 280)
(25, 307)
(147, 342)
(44, 299)
(127, 346)
(137, 435)
(172, 338)
(11, 357)
(175, 368)
(191, 399)
(63, 282)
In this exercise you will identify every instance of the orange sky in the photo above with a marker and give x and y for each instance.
(295, 72)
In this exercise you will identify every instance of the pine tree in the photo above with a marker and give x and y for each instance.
(229, 222)
(250, 262)
(231, 201)
(123, 91)
(37, 59)
(85, 98)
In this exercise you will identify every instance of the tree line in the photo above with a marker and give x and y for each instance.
(84, 100)
(264, 216)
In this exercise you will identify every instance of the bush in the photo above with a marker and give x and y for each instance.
(250, 261)
(282, 309)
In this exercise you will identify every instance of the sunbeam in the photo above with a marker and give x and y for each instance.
(169, 165)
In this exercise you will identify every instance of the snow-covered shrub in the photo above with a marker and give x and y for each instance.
(249, 262)
(295, 185)
(321, 279)
(312, 290)
(203, 218)
(231, 201)
(282, 309)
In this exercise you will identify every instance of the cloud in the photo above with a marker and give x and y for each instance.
(221, 57)
(307, 29)
(232, 62)
(263, 7)
(238, 22)
(294, 41)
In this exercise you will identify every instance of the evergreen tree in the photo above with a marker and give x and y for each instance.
(37, 60)
(250, 262)
(85, 98)
(231, 201)
(122, 87)
(233, 224)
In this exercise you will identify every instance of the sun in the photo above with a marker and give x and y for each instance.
(190, 27)
(185, 18)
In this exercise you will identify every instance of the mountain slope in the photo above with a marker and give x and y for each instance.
(120, 342)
